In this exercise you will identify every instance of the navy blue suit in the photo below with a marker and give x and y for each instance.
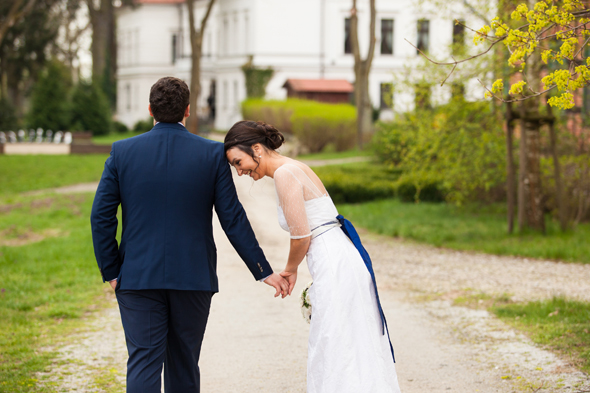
(167, 182)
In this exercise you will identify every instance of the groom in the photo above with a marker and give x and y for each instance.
(167, 182)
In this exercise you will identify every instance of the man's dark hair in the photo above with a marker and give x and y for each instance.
(169, 98)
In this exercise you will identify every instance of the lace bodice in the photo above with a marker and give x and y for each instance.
(301, 205)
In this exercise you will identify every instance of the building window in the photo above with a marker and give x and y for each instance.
(174, 48)
(423, 35)
(458, 36)
(225, 36)
(386, 97)
(387, 36)
(128, 96)
(236, 95)
(225, 95)
(422, 96)
(347, 42)
(457, 91)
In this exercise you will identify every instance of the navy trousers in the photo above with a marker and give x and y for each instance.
(163, 327)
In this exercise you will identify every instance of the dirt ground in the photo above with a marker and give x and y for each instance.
(257, 343)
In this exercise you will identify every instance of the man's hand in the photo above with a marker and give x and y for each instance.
(291, 278)
(113, 284)
(279, 283)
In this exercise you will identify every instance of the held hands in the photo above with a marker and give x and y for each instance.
(279, 283)
(290, 277)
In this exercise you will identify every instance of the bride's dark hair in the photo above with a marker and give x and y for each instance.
(246, 133)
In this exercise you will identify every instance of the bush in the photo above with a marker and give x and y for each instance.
(355, 183)
(314, 124)
(456, 152)
(50, 108)
(120, 127)
(90, 109)
(144, 125)
(8, 119)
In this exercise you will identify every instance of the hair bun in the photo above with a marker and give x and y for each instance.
(273, 136)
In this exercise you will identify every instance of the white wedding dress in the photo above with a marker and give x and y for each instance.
(348, 352)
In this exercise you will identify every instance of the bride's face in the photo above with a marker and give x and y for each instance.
(244, 163)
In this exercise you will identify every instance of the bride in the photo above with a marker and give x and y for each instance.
(349, 347)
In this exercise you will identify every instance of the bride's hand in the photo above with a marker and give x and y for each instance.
(291, 278)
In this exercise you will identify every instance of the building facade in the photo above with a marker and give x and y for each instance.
(303, 39)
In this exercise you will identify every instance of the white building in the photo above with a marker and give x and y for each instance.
(301, 39)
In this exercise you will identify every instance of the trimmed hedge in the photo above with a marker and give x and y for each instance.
(355, 183)
(315, 124)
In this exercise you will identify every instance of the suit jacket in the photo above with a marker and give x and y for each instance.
(167, 182)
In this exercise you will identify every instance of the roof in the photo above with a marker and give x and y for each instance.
(320, 85)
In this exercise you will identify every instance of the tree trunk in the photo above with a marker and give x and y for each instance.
(510, 176)
(559, 191)
(101, 24)
(196, 49)
(15, 14)
(522, 170)
(362, 69)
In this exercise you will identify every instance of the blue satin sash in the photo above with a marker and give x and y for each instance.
(349, 231)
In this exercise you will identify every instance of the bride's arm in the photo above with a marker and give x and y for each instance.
(297, 252)
(291, 200)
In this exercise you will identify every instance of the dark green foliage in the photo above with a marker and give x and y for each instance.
(354, 183)
(563, 325)
(407, 191)
(120, 127)
(90, 109)
(143, 125)
(456, 151)
(50, 107)
(8, 119)
(256, 80)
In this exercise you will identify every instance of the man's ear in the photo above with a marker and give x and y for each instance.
(150, 110)
(187, 111)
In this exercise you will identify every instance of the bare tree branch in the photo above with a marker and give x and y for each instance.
(15, 14)
(475, 12)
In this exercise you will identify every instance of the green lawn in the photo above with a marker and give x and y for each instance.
(477, 228)
(25, 173)
(47, 286)
(114, 137)
(558, 324)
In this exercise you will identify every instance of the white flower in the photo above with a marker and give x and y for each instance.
(306, 303)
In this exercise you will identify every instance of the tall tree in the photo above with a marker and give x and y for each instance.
(196, 35)
(362, 68)
(10, 14)
(104, 45)
(549, 33)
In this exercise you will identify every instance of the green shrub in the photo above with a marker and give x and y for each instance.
(143, 125)
(120, 127)
(456, 151)
(8, 120)
(50, 108)
(315, 124)
(90, 109)
(355, 183)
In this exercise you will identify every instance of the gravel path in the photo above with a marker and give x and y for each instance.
(256, 343)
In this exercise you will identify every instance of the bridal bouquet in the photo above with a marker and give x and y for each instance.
(306, 303)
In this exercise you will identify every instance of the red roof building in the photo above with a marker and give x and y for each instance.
(324, 90)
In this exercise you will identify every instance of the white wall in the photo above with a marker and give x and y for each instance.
(284, 35)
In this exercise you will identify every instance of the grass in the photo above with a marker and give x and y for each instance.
(47, 286)
(558, 324)
(25, 173)
(113, 137)
(474, 227)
